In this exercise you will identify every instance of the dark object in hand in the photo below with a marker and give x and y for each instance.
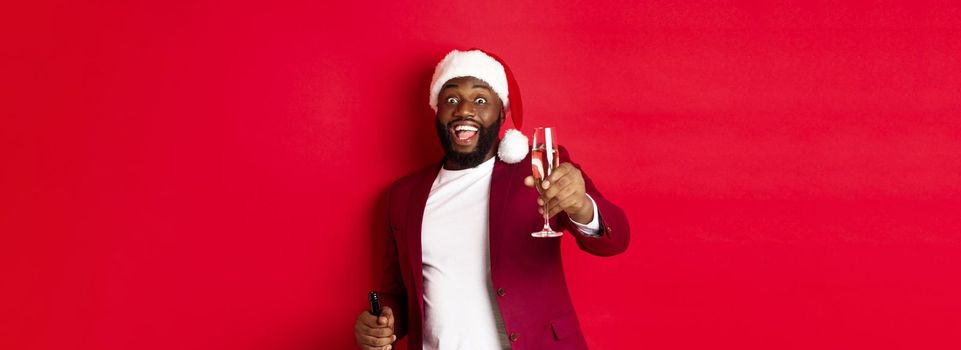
(374, 303)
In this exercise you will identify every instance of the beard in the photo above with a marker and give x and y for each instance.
(485, 141)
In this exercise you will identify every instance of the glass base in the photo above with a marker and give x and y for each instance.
(546, 233)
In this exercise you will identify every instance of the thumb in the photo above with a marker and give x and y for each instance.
(386, 316)
(390, 320)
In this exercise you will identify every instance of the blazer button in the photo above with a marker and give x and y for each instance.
(501, 292)
(513, 336)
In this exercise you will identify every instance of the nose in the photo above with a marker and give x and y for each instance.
(465, 110)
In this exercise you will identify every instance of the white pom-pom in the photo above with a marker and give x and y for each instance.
(513, 147)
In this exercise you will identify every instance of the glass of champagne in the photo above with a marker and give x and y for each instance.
(544, 159)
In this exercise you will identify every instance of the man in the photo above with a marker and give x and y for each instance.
(462, 269)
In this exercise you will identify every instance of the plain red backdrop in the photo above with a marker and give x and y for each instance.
(207, 175)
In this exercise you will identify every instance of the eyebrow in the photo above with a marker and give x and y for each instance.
(483, 86)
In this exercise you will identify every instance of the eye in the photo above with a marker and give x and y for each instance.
(452, 100)
(480, 100)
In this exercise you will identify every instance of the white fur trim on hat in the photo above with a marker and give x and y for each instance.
(513, 147)
(474, 63)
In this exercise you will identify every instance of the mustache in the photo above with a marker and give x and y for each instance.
(460, 119)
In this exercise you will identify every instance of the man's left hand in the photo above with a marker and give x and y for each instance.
(564, 191)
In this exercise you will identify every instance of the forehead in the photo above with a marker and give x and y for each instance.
(466, 83)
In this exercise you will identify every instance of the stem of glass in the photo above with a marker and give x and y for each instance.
(547, 210)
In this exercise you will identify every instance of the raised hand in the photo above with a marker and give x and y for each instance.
(564, 191)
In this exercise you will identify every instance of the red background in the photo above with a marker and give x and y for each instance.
(207, 175)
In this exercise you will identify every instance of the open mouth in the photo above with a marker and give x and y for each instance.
(464, 134)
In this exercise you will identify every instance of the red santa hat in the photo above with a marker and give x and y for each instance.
(484, 66)
(492, 70)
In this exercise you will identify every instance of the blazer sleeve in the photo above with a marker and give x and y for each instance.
(391, 288)
(615, 233)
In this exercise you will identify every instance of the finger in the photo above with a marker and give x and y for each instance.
(367, 347)
(567, 171)
(551, 211)
(552, 208)
(556, 187)
(562, 206)
(554, 211)
(560, 199)
(529, 181)
(362, 330)
(376, 342)
(550, 180)
(572, 182)
(571, 175)
(572, 204)
(557, 204)
(380, 332)
(560, 171)
(367, 319)
(562, 182)
(569, 179)
(550, 214)
(386, 316)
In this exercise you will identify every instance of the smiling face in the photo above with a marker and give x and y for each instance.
(469, 115)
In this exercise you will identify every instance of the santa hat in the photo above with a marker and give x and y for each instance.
(492, 70)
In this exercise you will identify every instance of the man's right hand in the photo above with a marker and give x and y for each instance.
(375, 333)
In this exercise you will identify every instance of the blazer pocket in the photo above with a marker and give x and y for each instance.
(565, 326)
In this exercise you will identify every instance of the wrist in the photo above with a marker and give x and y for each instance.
(585, 214)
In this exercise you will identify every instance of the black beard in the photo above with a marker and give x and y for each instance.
(485, 141)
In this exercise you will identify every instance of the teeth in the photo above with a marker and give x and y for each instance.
(465, 128)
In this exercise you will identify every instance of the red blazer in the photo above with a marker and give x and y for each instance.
(526, 272)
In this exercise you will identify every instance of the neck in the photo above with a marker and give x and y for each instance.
(451, 165)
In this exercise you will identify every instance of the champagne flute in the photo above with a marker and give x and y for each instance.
(544, 159)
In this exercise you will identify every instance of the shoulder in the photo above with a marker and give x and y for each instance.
(410, 180)
(400, 193)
